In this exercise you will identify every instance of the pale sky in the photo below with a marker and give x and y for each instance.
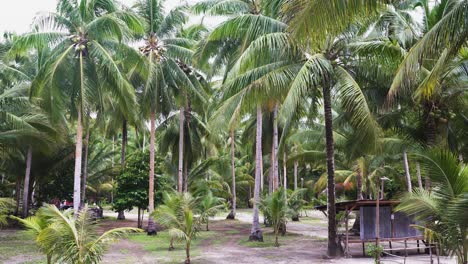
(17, 15)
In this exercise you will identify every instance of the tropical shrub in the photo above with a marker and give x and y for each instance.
(133, 185)
(375, 251)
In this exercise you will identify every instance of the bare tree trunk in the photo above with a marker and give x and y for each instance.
(85, 168)
(151, 225)
(232, 215)
(296, 165)
(27, 177)
(78, 158)
(331, 211)
(418, 172)
(124, 143)
(256, 233)
(407, 173)
(181, 149)
(275, 147)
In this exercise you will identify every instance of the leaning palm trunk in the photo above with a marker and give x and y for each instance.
(232, 214)
(256, 233)
(181, 150)
(27, 177)
(332, 245)
(85, 168)
(151, 225)
(78, 157)
(407, 173)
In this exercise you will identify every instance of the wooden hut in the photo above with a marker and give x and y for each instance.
(394, 227)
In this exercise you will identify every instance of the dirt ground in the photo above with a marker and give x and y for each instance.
(226, 242)
(306, 243)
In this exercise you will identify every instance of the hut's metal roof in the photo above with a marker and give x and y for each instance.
(354, 205)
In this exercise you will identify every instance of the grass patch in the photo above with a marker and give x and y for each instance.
(311, 220)
(268, 240)
(232, 232)
(19, 245)
(157, 246)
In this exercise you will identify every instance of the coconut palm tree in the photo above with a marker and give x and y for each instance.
(82, 35)
(442, 211)
(321, 70)
(161, 73)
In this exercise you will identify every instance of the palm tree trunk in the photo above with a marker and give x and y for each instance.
(285, 172)
(139, 214)
(232, 215)
(270, 172)
(85, 168)
(112, 179)
(17, 194)
(407, 172)
(124, 143)
(187, 252)
(256, 233)
(185, 175)
(78, 158)
(275, 147)
(296, 165)
(151, 225)
(27, 177)
(181, 149)
(418, 173)
(331, 211)
(359, 183)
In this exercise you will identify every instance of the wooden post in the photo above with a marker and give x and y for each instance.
(346, 232)
(377, 219)
(430, 252)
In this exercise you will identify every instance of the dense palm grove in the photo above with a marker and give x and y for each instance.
(286, 103)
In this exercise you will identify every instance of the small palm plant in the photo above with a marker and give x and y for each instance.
(276, 207)
(69, 239)
(6, 206)
(178, 214)
(209, 206)
(442, 211)
(296, 202)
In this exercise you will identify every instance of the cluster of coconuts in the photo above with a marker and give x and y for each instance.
(79, 43)
(442, 115)
(153, 46)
